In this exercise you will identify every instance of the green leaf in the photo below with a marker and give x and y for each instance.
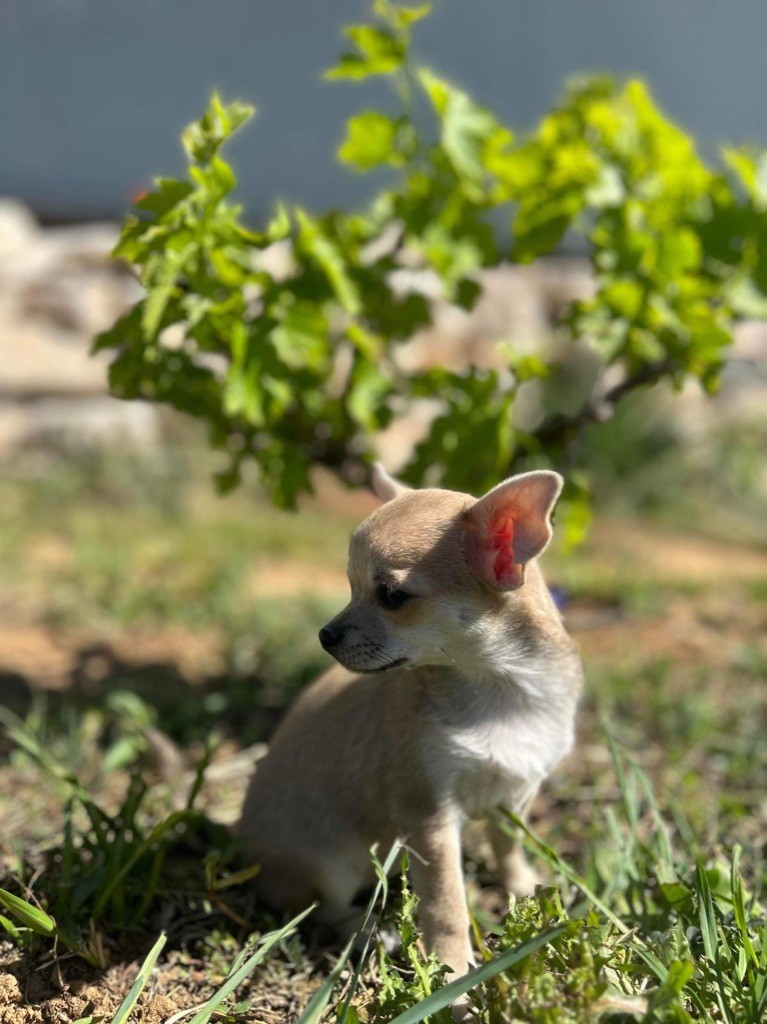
(366, 400)
(202, 139)
(127, 1005)
(29, 915)
(167, 195)
(379, 53)
(279, 226)
(468, 129)
(370, 141)
(161, 278)
(399, 16)
(751, 167)
(739, 907)
(329, 257)
(524, 367)
(222, 175)
(9, 928)
(301, 336)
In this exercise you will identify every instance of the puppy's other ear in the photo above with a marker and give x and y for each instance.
(384, 486)
(510, 526)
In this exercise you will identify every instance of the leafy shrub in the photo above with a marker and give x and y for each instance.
(302, 368)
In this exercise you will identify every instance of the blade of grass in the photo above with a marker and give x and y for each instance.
(29, 915)
(169, 823)
(319, 1001)
(661, 829)
(381, 892)
(21, 736)
(142, 978)
(203, 764)
(236, 878)
(626, 786)
(10, 928)
(709, 934)
(739, 906)
(265, 944)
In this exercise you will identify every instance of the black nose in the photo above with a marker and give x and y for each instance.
(329, 637)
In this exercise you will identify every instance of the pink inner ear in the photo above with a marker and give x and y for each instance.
(502, 544)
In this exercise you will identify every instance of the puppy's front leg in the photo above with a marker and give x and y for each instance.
(437, 875)
(516, 875)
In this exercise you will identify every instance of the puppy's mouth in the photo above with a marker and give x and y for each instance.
(383, 668)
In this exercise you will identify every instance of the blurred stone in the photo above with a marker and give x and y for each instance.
(520, 305)
(18, 227)
(71, 424)
(38, 359)
(58, 289)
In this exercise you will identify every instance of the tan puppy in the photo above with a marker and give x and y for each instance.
(466, 701)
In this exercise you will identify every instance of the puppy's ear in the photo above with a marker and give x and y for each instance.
(510, 526)
(385, 487)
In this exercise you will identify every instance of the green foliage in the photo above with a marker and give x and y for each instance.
(301, 368)
(110, 867)
(695, 947)
(413, 976)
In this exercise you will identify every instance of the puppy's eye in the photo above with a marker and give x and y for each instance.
(390, 597)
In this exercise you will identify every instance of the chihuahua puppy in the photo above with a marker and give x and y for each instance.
(456, 693)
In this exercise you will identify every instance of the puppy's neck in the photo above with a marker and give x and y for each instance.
(519, 646)
(522, 677)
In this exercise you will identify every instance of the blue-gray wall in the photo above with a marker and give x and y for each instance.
(93, 93)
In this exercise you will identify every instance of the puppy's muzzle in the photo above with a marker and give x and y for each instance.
(330, 638)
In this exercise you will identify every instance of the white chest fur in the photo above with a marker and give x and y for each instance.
(500, 745)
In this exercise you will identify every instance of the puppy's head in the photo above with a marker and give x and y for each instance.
(429, 571)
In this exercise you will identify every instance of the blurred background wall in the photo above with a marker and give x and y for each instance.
(93, 93)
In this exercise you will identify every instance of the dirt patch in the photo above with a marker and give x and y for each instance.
(55, 660)
(34, 992)
(284, 579)
(674, 557)
(713, 631)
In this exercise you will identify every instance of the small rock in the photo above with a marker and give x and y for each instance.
(18, 228)
(9, 990)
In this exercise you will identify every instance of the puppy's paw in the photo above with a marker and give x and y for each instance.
(524, 882)
(390, 939)
(463, 1010)
(522, 879)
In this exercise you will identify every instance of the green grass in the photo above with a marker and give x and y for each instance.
(652, 844)
(125, 543)
(652, 923)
